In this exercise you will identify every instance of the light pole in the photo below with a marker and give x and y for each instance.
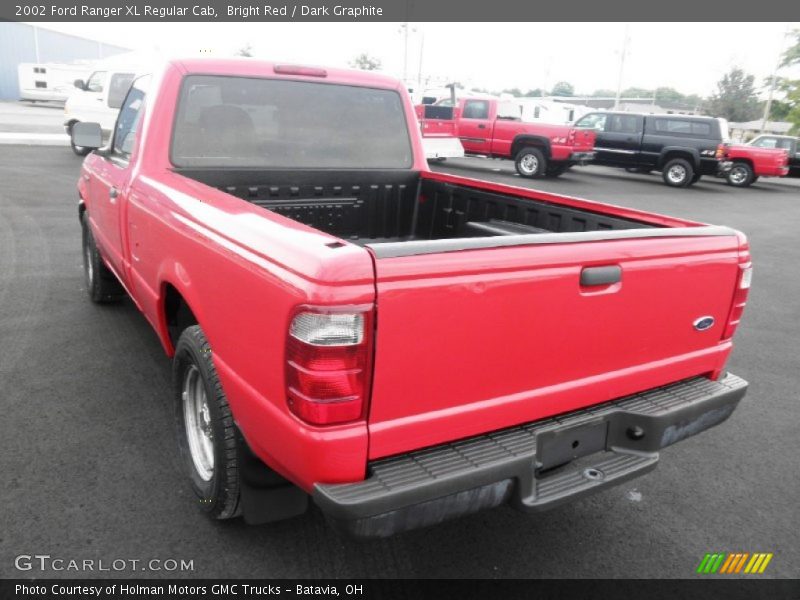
(623, 52)
(404, 28)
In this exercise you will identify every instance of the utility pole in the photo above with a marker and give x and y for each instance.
(623, 53)
(772, 80)
(421, 52)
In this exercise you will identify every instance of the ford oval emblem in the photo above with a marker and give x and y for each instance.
(703, 323)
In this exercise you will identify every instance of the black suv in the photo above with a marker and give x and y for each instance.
(683, 148)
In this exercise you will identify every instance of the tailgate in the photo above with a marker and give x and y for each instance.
(477, 340)
(583, 140)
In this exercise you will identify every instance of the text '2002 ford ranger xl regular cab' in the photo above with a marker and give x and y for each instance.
(402, 346)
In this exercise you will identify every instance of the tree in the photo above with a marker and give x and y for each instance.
(636, 92)
(535, 93)
(735, 98)
(563, 88)
(604, 93)
(791, 87)
(668, 94)
(516, 92)
(246, 50)
(365, 62)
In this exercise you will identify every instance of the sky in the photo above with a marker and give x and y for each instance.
(690, 57)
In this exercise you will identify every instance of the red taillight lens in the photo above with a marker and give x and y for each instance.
(739, 300)
(571, 137)
(722, 151)
(328, 360)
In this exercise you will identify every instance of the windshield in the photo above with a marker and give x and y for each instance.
(277, 123)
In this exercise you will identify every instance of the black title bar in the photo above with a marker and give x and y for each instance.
(404, 10)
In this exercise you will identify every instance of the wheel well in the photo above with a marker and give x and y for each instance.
(678, 154)
(177, 313)
(746, 161)
(520, 143)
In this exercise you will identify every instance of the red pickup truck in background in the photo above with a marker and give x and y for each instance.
(751, 162)
(494, 128)
(402, 346)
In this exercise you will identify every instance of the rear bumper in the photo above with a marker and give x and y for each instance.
(534, 466)
(581, 157)
(772, 171)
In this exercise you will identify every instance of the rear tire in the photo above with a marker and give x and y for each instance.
(207, 435)
(740, 175)
(101, 283)
(530, 162)
(696, 178)
(678, 172)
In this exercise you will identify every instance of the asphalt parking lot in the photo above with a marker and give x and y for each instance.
(90, 466)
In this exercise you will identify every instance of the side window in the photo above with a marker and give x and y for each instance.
(766, 142)
(596, 121)
(701, 129)
(476, 109)
(129, 118)
(118, 86)
(682, 127)
(623, 124)
(95, 83)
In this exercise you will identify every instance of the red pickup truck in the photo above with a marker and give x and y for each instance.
(748, 163)
(402, 346)
(494, 128)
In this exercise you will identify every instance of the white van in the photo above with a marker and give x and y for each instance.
(99, 98)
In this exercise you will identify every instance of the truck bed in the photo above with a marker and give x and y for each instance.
(374, 208)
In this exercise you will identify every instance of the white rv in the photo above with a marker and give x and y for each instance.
(49, 82)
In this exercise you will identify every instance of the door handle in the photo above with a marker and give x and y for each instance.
(99, 99)
(481, 126)
(591, 276)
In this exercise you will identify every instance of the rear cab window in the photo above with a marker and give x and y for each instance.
(225, 121)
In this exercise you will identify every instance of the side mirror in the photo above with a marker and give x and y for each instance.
(80, 84)
(87, 135)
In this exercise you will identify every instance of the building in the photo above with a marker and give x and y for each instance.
(22, 43)
(747, 131)
(641, 105)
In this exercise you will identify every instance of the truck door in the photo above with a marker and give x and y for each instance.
(621, 139)
(112, 180)
(475, 126)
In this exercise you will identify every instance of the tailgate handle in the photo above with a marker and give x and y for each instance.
(601, 275)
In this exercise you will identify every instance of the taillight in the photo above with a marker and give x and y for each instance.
(571, 137)
(722, 151)
(739, 299)
(328, 357)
